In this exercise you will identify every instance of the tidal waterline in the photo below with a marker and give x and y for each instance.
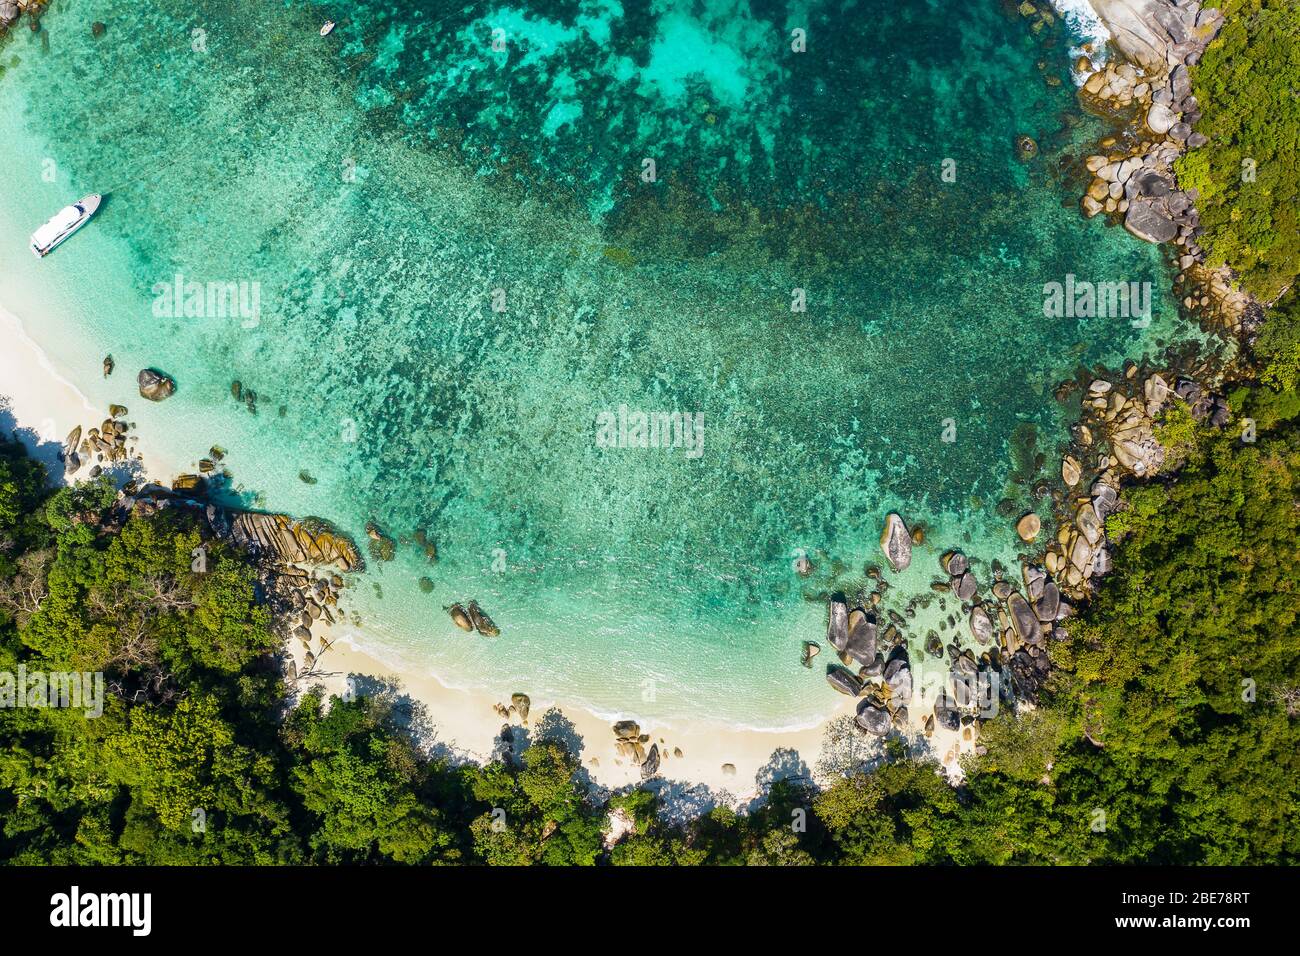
(462, 263)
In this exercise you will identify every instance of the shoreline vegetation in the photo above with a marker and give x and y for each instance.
(1155, 643)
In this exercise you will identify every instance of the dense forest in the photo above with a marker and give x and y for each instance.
(1168, 732)
(1249, 191)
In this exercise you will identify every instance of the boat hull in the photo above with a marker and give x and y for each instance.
(63, 224)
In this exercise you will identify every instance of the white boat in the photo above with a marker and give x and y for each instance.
(63, 224)
(326, 28)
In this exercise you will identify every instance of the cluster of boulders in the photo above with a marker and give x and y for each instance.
(1207, 292)
(630, 743)
(102, 444)
(1115, 439)
(520, 706)
(289, 541)
(1132, 173)
(885, 681)
(301, 599)
(1040, 15)
(471, 617)
(1012, 623)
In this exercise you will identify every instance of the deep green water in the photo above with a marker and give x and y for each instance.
(380, 184)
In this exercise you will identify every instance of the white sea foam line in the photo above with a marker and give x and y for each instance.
(1087, 29)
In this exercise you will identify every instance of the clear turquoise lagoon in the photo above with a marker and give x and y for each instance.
(460, 265)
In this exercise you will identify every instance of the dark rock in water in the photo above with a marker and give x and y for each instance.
(844, 681)
(237, 390)
(896, 542)
(650, 766)
(810, 650)
(1047, 606)
(108, 365)
(1149, 219)
(874, 669)
(460, 618)
(97, 28)
(981, 625)
(837, 631)
(1026, 148)
(955, 563)
(933, 645)
(945, 712)
(964, 587)
(482, 623)
(426, 585)
(899, 678)
(1024, 620)
(874, 720)
(861, 643)
(154, 385)
(306, 477)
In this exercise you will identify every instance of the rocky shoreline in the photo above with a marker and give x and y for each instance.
(1115, 440)
(1131, 176)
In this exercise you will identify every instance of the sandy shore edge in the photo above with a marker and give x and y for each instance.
(42, 405)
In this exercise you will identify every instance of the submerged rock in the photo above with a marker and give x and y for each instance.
(810, 650)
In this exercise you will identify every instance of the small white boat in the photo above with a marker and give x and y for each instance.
(326, 28)
(63, 224)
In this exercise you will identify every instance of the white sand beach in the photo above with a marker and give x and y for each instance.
(43, 405)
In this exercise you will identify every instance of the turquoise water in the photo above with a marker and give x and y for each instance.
(460, 265)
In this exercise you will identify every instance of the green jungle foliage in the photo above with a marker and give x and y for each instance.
(1248, 175)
